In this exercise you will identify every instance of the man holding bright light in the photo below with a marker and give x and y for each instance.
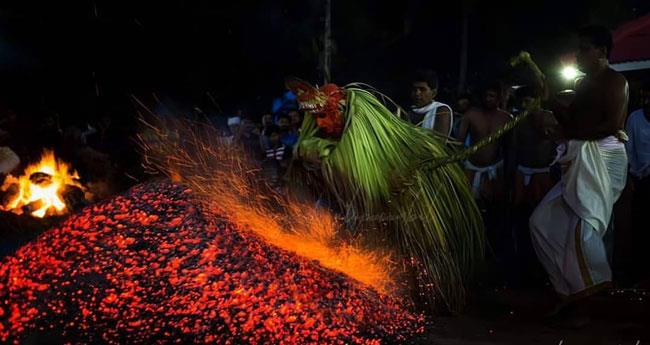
(568, 226)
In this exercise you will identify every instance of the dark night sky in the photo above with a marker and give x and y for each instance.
(51, 53)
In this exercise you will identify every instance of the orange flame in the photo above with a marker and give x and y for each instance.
(227, 183)
(47, 196)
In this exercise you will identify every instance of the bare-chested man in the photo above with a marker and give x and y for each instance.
(534, 140)
(484, 169)
(533, 151)
(568, 226)
(534, 144)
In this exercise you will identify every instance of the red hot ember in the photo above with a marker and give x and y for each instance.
(151, 267)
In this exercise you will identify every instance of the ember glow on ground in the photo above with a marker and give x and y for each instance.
(151, 267)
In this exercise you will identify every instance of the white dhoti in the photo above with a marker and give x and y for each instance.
(568, 226)
(491, 172)
(528, 173)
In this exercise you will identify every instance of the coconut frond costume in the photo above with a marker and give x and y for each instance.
(378, 169)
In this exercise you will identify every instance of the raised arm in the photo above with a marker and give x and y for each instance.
(525, 59)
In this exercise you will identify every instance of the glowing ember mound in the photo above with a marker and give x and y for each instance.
(151, 267)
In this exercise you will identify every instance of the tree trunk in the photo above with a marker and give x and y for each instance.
(464, 46)
(327, 43)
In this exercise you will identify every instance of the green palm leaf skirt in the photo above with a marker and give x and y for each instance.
(377, 173)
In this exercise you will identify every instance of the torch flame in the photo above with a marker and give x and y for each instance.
(48, 193)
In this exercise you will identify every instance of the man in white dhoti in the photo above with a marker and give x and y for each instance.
(569, 224)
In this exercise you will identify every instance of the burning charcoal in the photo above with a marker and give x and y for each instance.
(151, 266)
(40, 178)
(74, 197)
(32, 206)
(11, 193)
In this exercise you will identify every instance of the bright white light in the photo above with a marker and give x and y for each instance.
(570, 73)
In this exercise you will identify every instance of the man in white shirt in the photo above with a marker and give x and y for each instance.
(425, 110)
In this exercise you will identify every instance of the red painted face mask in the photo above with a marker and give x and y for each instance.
(325, 104)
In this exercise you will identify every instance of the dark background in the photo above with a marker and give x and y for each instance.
(82, 59)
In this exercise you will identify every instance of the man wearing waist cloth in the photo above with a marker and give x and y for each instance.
(568, 226)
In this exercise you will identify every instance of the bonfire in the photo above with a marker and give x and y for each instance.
(42, 189)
